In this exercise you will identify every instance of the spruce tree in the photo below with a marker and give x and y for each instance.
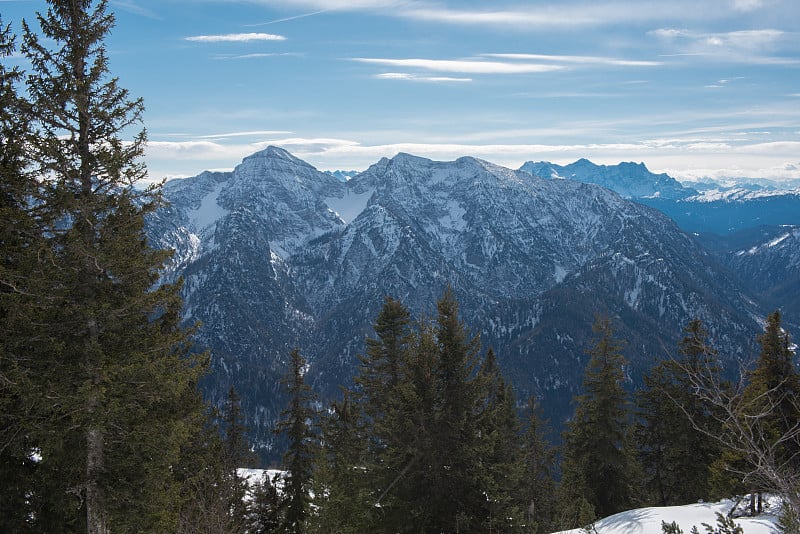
(111, 386)
(429, 439)
(298, 461)
(501, 471)
(343, 498)
(538, 489)
(770, 399)
(599, 464)
(669, 414)
(19, 246)
(774, 385)
(455, 491)
(236, 454)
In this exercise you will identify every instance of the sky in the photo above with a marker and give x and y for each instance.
(694, 88)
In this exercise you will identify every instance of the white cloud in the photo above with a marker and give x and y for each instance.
(417, 78)
(524, 17)
(747, 5)
(258, 55)
(587, 60)
(748, 39)
(235, 37)
(669, 33)
(744, 46)
(463, 66)
(690, 157)
(249, 133)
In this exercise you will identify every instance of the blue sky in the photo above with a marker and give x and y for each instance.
(694, 88)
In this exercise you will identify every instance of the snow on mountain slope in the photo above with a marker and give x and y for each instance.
(276, 255)
(629, 180)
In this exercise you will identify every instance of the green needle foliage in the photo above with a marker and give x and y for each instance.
(599, 466)
(99, 380)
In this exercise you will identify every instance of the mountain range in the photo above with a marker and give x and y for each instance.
(276, 254)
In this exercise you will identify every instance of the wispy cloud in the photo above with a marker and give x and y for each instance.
(235, 38)
(463, 66)
(744, 46)
(688, 157)
(249, 133)
(135, 8)
(287, 19)
(417, 78)
(584, 60)
(256, 55)
(747, 5)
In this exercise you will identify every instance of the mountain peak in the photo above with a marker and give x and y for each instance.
(276, 153)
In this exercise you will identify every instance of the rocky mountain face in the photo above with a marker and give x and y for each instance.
(765, 259)
(276, 255)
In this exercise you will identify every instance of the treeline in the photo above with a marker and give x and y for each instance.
(429, 438)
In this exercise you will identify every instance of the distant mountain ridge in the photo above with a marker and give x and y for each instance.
(717, 209)
(277, 254)
(630, 180)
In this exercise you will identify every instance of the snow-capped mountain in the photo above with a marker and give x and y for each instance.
(629, 180)
(766, 260)
(276, 255)
(704, 208)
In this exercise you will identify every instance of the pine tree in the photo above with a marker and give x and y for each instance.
(265, 508)
(111, 386)
(455, 492)
(538, 460)
(428, 441)
(342, 495)
(758, 420)
(501, 471)
(774, 385)
(296, 421)
(599, 464)
(668, 411)
(18, 250)
(236, 454)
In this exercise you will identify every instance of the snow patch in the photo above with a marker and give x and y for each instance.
(453, 217)
(209, 211)
(648, 520)
(778, 240)
(560, 273)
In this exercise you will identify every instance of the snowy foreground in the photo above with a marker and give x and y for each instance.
(642, 520)
(648, 520)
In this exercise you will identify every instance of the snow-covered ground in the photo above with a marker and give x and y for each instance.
(648, 520)
(641, 520)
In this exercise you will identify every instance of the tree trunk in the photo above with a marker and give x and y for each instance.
(95, 514)
(95, 449)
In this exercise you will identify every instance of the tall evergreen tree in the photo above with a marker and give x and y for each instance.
(770, 395)
(669, 413)
(538, 461)
(19, 246)
(111, 387)
(296, 423)
(500, 458)
(429, 441)
(455, 492)
(599, 464)
(343, 499)
(236, 454)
